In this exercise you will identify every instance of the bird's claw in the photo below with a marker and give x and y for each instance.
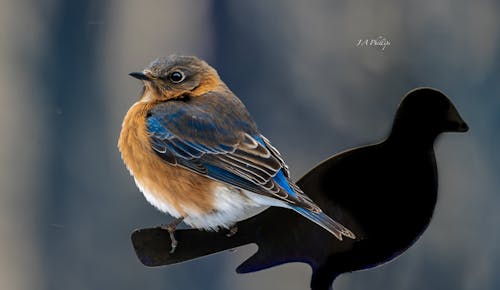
(171, 227)
(174, 243)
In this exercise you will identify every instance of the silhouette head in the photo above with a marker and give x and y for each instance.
(427, 112)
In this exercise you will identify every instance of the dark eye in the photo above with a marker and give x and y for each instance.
(176, 77)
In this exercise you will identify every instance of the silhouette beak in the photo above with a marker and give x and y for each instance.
(139, 75)
(455, 122)
(463, 127)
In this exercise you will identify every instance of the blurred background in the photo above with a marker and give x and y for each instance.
(68, 205)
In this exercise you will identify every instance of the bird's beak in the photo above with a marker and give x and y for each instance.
(463, 127)
(139, 76)
(455, 123)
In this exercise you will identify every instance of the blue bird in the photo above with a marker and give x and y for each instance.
(195, 152)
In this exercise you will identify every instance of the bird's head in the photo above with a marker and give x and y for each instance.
(428, 111)
(176, 77)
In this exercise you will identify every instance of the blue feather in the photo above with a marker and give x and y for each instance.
(280, 178)
(155, 128)
(282, 181)
(324, 221)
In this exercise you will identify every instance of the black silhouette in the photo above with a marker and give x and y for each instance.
(385, 193)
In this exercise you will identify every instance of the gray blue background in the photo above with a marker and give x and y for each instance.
(68, 205)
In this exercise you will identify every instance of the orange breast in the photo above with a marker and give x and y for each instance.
(171, 186)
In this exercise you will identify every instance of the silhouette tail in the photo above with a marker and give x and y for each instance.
(326, 222)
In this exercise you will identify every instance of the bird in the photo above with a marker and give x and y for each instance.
(196, 153)
(385, 192)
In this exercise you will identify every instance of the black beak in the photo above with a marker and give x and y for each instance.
(139, 76)
(463, 127)
(455, 122)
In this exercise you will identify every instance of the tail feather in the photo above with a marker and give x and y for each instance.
(323, 220)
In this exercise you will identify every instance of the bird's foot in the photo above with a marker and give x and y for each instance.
(232, 231)
(171, 231)
(174, 242)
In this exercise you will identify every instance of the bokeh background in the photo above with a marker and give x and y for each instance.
(68, 205)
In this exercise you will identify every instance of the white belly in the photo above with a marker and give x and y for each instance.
(230, 206)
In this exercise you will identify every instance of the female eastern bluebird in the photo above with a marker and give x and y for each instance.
(196, 153)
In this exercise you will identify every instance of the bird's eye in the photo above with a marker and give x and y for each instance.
(176, 77)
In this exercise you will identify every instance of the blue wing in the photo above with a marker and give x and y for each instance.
(214, 135)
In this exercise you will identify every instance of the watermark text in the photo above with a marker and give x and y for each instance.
(380, 42)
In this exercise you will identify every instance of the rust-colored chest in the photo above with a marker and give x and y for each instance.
(171, 189)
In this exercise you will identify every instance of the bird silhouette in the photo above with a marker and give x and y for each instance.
(385, 192)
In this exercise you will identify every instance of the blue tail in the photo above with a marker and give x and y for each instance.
(325, 222)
